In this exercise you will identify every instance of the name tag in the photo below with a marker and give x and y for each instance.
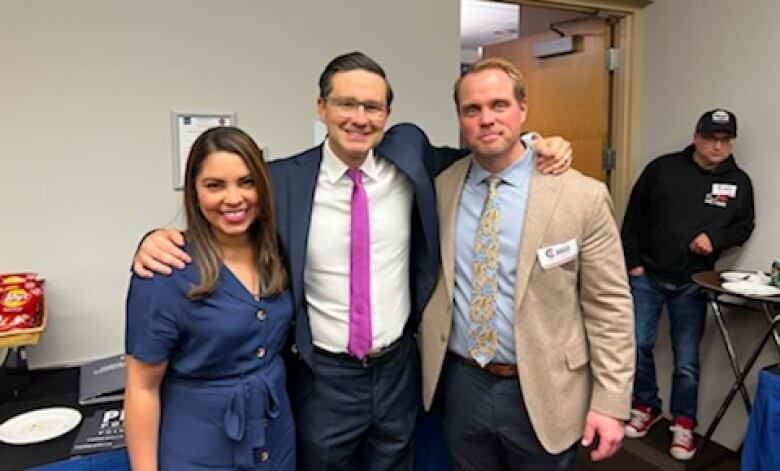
(716, 200)
(556, 255)
(724, 189)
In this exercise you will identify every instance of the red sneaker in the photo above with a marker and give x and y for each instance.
(642, 418)
(682, 447)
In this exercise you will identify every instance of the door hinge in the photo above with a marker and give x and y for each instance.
(608, 159)
(613, 59)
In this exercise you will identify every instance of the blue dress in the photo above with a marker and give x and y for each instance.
(223, 401)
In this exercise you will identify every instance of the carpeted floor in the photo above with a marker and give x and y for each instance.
(651, 453)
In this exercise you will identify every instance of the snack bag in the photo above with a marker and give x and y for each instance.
(20, 297)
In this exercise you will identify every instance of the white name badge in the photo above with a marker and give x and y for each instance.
(556, 255)
(726, 189)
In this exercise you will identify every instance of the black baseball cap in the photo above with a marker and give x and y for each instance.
(718, 120)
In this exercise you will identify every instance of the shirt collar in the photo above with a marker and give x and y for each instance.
(512, 175)
(335, 168)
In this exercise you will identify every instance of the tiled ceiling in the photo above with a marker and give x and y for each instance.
(484, 22)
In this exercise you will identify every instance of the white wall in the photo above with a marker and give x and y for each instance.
(86, 91)
(699, 55)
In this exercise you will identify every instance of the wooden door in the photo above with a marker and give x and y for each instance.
(568, 95)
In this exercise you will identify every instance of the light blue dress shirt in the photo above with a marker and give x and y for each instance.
(513, 201)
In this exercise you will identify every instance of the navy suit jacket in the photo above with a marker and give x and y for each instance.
(294, 180)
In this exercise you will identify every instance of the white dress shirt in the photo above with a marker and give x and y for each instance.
(326, 274)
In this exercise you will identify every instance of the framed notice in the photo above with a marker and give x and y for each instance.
(186, 128)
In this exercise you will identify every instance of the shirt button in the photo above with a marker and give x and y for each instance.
(260, 352)
(260, 314)
(263, 456)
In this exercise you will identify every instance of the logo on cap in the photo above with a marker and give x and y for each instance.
(720, 117)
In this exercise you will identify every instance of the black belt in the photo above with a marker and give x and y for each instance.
(382, 355)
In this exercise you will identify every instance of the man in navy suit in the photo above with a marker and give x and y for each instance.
(353, 408)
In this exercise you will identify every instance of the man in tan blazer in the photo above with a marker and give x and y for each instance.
(528, 336)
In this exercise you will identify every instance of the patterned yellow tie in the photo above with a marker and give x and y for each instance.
(483, 335)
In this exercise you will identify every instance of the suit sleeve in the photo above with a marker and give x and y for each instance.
(443, 157)
(738, 231)
(607, 311)
(412, 139)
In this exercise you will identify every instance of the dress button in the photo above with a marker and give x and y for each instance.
(260, 352)
(260, 314)
(263, 456)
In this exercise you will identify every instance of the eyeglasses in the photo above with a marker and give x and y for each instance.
(726, 141)
(350, 106)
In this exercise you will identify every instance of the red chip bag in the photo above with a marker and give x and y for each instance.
(20, 279)
(20, 297)
(16, 321)
(15, 299)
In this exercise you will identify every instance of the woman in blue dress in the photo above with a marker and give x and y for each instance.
(206, 382)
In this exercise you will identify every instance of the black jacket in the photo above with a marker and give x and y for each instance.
(670, 206)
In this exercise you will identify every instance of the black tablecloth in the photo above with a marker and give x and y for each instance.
(48, 388)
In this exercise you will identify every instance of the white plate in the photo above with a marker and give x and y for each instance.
(39, 425)
(734, 275)
(750, 289)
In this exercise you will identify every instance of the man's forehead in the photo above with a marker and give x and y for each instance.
(490, 80)
(358, 81)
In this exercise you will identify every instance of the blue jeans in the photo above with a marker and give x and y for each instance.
(687, 307)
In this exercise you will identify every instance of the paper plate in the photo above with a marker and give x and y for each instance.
(734, 275)
(750, 289)
(39, 425)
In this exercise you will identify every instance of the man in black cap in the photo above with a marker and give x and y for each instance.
(685, 209)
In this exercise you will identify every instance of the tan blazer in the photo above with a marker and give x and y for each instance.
(573, 323)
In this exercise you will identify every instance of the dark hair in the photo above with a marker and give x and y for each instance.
(352, 61)
(262, 232)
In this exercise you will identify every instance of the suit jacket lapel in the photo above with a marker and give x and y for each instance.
(302, 186)
(542, 199)
(449, 187)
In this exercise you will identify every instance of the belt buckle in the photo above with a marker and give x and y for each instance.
(368, 360)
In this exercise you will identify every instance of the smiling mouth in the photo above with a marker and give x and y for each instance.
(357, 134)
(234, 216)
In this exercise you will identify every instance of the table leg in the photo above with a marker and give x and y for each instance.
(769, 315)
(724, 333)
(738, 384)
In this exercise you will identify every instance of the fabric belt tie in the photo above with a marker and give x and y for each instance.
(248, 432)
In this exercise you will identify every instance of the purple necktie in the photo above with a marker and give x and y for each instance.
(359, 270)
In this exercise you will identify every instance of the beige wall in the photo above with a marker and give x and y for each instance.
(698, 55)
(86, 91)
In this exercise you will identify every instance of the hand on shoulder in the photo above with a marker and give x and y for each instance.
(159, 252)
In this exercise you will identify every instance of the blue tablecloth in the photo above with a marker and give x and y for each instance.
(106, 461)
(761, 449)
(431, 452)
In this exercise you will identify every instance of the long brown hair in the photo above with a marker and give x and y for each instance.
(262, 232)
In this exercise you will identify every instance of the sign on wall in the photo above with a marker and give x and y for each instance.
(186, 128)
